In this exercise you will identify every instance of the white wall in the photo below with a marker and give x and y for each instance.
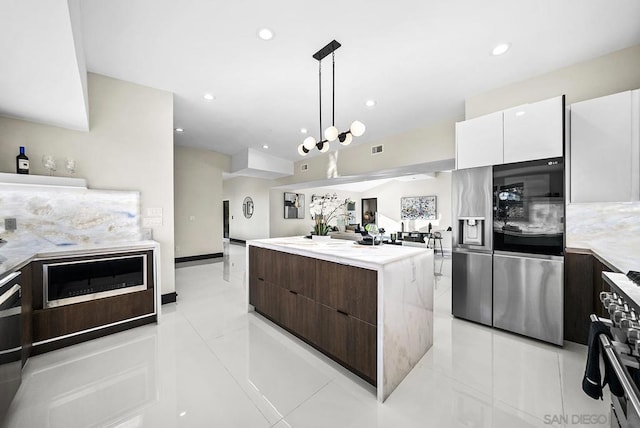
(389, 195)
(129, 147)
(297, 227)
(235, 190)
(431, 143)
(198, 201)
(615, 72)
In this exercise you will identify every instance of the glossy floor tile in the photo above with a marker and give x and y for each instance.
(209, 363)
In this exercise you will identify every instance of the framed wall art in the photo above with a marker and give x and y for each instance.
(293, 205)
(418, 208)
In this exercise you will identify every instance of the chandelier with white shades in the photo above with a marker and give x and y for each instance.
(332, 133)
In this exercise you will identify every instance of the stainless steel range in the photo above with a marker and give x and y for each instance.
(623, 352)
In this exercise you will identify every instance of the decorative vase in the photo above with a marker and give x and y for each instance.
(320, 237)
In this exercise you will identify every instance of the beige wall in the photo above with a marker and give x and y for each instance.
(297, 227)
(389, 195)
(615, 72)
(235, 190)
(129, 147)
(198, 200)
(432, 143)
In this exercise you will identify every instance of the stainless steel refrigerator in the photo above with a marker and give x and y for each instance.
(472, 234)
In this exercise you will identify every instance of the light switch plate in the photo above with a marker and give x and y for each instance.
(154, 212)
(151, 221)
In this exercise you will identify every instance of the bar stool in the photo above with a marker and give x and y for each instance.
(437, 237)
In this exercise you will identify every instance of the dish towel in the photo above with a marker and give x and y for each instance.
(591, 383)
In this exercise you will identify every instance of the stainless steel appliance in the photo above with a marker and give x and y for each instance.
(528, 243)
(623, 352)
(10, 340)
(528, 295)
(472, 245)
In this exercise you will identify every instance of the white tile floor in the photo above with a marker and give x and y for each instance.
(210, 364)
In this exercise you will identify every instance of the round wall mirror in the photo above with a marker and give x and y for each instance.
(247, 207)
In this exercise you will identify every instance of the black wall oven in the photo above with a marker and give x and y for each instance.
(528, 207)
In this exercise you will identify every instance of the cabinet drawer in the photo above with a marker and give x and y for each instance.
(266, 298)
(347, 288)
(349, 340)
(299, 314)
(62, 320)
(290, 271)
(296, 273)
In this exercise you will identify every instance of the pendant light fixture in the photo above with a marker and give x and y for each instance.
(332, 133)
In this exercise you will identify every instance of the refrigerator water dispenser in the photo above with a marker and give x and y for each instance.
(471, 230)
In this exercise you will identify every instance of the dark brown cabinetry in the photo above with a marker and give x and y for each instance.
(67, 324)
(331, 306)
(582, 286)
(347, 288)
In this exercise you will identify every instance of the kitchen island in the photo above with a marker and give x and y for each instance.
(370, 308)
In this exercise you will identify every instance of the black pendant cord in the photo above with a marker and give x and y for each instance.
(320, 94)
(333, 92)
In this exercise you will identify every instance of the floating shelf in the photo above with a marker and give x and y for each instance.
(42, 180)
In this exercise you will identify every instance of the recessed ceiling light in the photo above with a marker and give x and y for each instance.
(208, 97)
(265, 34)
(265, 146)
(303, 130)
(179, 130)
(520, 113)
(501, 49)
(370, 103)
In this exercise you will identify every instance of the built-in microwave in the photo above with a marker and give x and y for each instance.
(528, 207)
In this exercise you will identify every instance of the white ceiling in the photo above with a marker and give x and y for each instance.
(419, 59)
(42, 69)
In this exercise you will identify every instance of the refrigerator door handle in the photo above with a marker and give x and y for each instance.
(461, 250)
(528, 255)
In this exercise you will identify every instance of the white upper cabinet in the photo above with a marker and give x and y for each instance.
(479, 141)
(604, 149)
(534, 131)
(528, 132)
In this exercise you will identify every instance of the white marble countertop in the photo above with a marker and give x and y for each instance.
(627, 287)
(619, 256)
(13, 258)
(610, 230)
(341, 251)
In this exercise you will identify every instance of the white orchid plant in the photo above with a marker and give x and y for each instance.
(324, 209)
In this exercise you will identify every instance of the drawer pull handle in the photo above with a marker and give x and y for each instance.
(260, 279)
(342, 312)
(293, 292)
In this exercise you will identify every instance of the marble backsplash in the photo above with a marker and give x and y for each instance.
(610, 228)
(63, 216)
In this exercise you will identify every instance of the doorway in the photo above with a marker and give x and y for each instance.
(369, 211)
(225, 219)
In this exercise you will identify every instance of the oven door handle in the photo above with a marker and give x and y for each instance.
(621, 372)
(9, 293)
(9, 278)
